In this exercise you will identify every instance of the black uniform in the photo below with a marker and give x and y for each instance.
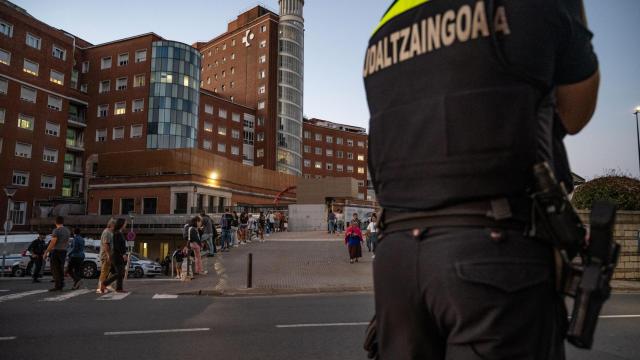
(461, 100)
(37, 249)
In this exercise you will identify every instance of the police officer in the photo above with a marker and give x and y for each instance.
(36, 248)
(466, 96)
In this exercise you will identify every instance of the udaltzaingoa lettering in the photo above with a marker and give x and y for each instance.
(432, 33)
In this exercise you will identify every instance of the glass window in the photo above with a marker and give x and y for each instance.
(329, 139)
(208, 127)
(261, 105)
(339, 141)
(48, 182)
(339, 168)
(262, 74)
(329, 166)
(30, 67)
(105, 86)
(23, 150)
(106, 206)
(260, 153)
(74, 78)
(3, 113)
(235, 117)
(360, 170)
(54, 103)
(318, 151)
(58, 52)
(118, 133)
(360, 157)
(136, 131)
(50, 155)
(260, 136)
(235, 150)
(101, 135)
(26, 122)
(123, 59)
(350, 156)
(350, 168)
(84, 87)
(120, 108)
(222, 113)
(263, 44)
(349, 142)
(206, 144)
(262, 89)
(262, 59)
(52, 129)
(329, 152)
(19, 212)
(138, 105)
(6, 28)
(307, 163)
(235, 134)
(318, 137)
(307, 148)
(56, 77)
(138, 81)
(222, 130)
(339, 154)
(5, 57)
(208, 109)
(361, 144)
(121, 84)
(33, 41)
(263, 28)
(307, 135)
(141, 55)
(4, 86)
(318, 165)
(103, 110)
(222, 148)
(85, 67)
(20, 178)
(105, 63)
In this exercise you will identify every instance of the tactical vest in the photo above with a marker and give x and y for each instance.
(460, 98)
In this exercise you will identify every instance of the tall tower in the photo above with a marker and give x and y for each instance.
(290, 86)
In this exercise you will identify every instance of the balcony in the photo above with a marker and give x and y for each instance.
(78, 121)
(75, 144)
(72, 169)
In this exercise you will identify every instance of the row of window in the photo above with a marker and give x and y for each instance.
(123, 60)
(32, 68)
(263, 43)
(21, 178)
(329, 139)
(120, 108)
(127, 205)
(329, 166)
(24, 150)
(329, 152)
(33, 41)
(222, 147)
(121, 83)
(117, 133)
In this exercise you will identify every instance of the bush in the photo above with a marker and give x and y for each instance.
(621, 190)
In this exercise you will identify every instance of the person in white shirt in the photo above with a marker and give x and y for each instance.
(372, 235)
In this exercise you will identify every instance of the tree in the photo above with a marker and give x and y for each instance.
(623, 191)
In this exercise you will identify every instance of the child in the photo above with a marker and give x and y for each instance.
(353, 239)
(178, 257)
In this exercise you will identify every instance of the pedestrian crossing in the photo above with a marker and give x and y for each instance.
(39, 296)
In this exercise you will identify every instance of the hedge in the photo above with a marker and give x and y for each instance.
(621, 190)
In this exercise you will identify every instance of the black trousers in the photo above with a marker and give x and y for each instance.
(57, 267)
(468, 294)
(117, 270)
(37, 267)
(74, 268)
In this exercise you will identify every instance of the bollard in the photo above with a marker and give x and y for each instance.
(249, 270)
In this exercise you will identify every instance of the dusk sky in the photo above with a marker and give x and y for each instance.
(336, 36)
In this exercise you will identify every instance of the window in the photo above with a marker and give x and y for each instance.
(105, 86)
(30, 67)
(260, 136)
(233, 42)
(52, 129)
(138, 81)
(74, 78)
(307, 135)
(235, 150)
(329, 152)
(350, 156)
(233, 57)
(222, 130)
(235, 134)
(4, 85)
(106, 206)
(339, 168)
(149, 205)
(105, 63)
(318, 151)
(208, 127)
(20, 178)
(224, 46)
(263, 28)
(101, 135)
(206, 144)
(222, 148)
(307, 149)
(19, 212)
(121, 84)
(329, 166)
(350, 168)
(136, 131)
(56, 77)
(260, 121)
(103, 111)
(120, 108)
(360, 170)
(222, 88)
(262, 74)
(5, 57)
(118, 133)
(318, 137)
(339, 141)
(260, 153)
(261, 105)
(126, 206)
(50, 155)
(83, 88)
(222, 113)
(85, 67)
(48, 182)
(339, 154)
(25, 122)
(3, 113)
(349, 142)
(263, 44)
(141, 55)
(6, 29)
(224, 74)
(137, 105)
(58, 52)
(23, 150)
(318, 165)
(262, 89)
(329, 139)
(33, 41)
(262, 59)
(235, 117)
(54, 103)
(208, 109)
(360, 157)
(307, 163)
(123, 59)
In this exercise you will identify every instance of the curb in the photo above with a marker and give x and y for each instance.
(266, 291)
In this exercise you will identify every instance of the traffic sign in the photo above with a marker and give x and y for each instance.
(8, 225)
(131, 236)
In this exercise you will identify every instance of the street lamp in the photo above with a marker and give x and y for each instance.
(638, 133)
(8, 224)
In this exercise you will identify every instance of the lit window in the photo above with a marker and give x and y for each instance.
(360, 157)
(360, 170)
(20, 178)
(58, 52)
(25, 122)
(208, 109)
(28, 94)
(206, 144)
(141, 55)
(48, 182)
(105, 63)
(50, 155)
(6, 29)
(105, 86)
(318, 165)
(222, 148)
(222, 130)
(30, 67)
(56, 77)
(54, 103)
(85, 67)
(120, 108)
(123, 59)
(138, 81)
(33, 41)
(118, 133)
(138, 105)
(121, 84)
(166, 78)
(103, 111)
(52, 129)
(23, 150)
(235, 150)
(307, 163)
(185, 81)
(101, 135)
(208, 127)
(5, 57)
(222, 113)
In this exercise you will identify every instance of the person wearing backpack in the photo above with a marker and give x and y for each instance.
(353, 240)
(36, 248)
(178, 258)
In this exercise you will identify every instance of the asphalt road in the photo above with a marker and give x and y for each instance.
(285, 327)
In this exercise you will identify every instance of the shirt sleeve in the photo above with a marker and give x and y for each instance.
(576, 59)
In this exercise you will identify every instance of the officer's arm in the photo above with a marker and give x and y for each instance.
(577, 102)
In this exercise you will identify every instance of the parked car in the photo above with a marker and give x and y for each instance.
(140, 267)
(90, 266)
(9, 262)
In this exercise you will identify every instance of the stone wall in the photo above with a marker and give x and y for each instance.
(626, 234)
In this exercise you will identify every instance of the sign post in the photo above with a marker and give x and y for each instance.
(8, 224)
(130, 238)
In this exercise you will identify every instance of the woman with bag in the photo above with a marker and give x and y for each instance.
(195, 243)
(118, 257)
(353, 239)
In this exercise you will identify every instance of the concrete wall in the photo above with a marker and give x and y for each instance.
(315, 191)
(312, 217)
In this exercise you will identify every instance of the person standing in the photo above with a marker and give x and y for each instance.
(262, 223)
(331, 222)
(271, 220)
(118, 257)
(372, 235)
(76, 258)
(58, 250)
(207, 233)
(244, 224)
(225, 227)
(340, 221)
(234, 229)
(37, 249)
(178, 257)
(353, 240)
(486, 90)
(195, 243)
(106, 241)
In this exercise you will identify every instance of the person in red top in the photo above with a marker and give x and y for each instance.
(353, 239)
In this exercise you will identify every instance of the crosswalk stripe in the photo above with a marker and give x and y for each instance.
(21, 295)
(114, 296)
(164, 296)
(68, 295)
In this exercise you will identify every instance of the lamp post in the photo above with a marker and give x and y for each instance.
(638, 134)
(8, 224)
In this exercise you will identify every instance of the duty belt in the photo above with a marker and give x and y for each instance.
(499, 213)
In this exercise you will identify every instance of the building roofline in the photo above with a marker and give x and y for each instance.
(217, 96)
(356, 129)
(130, 38)
(203, 45)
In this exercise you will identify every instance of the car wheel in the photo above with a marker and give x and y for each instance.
(89, 270)
(18, 272)
(138, 272)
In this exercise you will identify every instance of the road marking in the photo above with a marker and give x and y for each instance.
(7, 338)
(164, 296)
(114, 296)
(323, 325)
(4, 290)
(137, 332)
(21, 295)
(68, 295)
(619, 316)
